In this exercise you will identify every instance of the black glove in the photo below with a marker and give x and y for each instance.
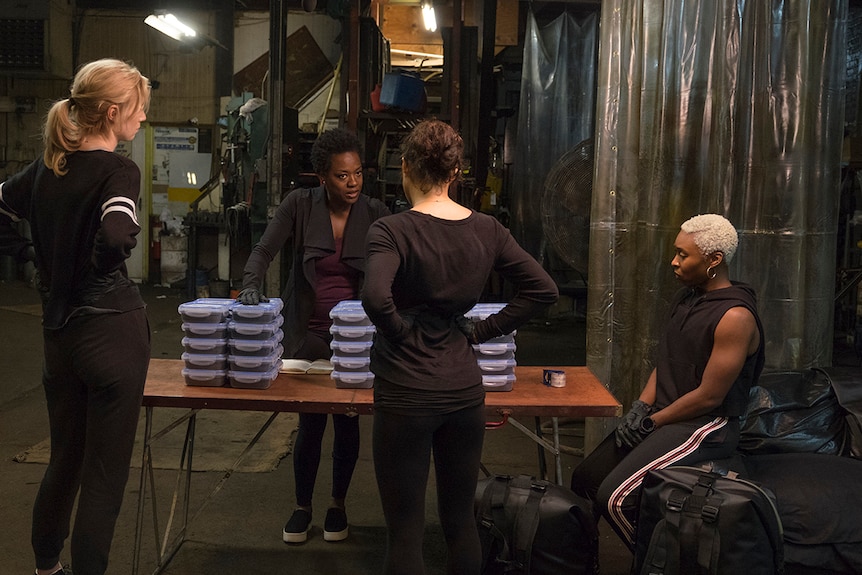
(635, 426)
(251, 296)
(468, 328)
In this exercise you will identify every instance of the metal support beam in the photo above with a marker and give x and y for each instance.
(487, 95)
(275, 99)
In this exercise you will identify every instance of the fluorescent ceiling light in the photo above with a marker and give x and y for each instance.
(429, 17)
(170, 25)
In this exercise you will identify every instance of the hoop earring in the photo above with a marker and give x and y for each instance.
(714, 273)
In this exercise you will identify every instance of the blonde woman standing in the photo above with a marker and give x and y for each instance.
(80, 199)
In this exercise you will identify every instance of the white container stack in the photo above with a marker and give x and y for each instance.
(254, 344)
(205, 341)
(496, 357)
(229, 343)
(352, 334)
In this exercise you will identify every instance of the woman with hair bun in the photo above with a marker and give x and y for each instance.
(709, 356)
(426, 268)
(80, 199)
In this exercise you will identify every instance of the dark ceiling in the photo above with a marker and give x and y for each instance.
(144, 5)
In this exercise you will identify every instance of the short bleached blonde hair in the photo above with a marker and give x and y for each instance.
(712, 233)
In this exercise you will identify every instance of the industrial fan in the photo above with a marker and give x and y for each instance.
(566, 206)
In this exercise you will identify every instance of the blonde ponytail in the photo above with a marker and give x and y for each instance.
(97, 86)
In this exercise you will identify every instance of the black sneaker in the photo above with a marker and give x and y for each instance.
(64, 570)
(335, 525)
(296, 529)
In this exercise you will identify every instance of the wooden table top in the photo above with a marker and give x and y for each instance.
(583, 396)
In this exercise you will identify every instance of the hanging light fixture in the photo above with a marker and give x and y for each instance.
(428, 16)
(170, 25)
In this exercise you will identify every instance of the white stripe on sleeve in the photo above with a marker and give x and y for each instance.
(125, 206)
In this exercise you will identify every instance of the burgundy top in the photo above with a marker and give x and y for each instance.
(336, 281)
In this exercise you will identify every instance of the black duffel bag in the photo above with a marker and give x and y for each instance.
(697, 522)
(530, 526)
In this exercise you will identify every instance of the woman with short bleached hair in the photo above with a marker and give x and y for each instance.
(709, 356)
(81, 200)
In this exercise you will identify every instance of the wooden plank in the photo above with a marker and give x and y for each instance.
(306, 70)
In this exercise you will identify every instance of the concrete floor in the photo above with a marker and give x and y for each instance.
(239, 530)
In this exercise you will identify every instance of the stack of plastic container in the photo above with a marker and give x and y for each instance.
(496, 357)
(254, 344)
(352, 334)
(205, 341)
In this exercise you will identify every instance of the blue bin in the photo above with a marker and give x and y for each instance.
(403, 91)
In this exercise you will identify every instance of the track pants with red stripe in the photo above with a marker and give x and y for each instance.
(611, 476)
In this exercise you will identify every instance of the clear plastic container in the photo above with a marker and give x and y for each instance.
(351, 348)
(205, 377)
(349, 312)
(204, 345)
(481, 311)
(255, 347)
(496, 366)
(206, 310)
(252, 379)
(354, 364)
(254, 362)
(264, 312)
(212, 361)
(352, 332)
(202, 330)
(261, 331)
(492, 350)
(353, 380)
(498, 382)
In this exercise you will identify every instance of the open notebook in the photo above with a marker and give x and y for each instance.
(318, 366)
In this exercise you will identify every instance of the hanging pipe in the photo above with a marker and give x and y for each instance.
(329, 96)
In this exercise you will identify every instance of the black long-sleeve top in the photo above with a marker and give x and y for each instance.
(422, 273)
(83, 226)
(302, 224)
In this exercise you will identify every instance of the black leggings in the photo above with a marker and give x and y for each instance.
(94, 374)
(403, 446)
(309, 439)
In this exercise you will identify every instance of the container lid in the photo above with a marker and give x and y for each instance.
(352, 331)
(495, 348)
(483, 310)
(245, 328)
(500, 379)
(202, 358)
(350, 362)
(495, 364)
(352, 376)
(255, 360)
(253, 376)
(350, 310)
(201, 327)
(203, 342)
(347, 346)
(203, 374)
(272, 307)
(206, 307)
(256, 344)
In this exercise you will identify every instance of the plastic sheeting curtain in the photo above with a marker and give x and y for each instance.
(727, 106)
(556, 111)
